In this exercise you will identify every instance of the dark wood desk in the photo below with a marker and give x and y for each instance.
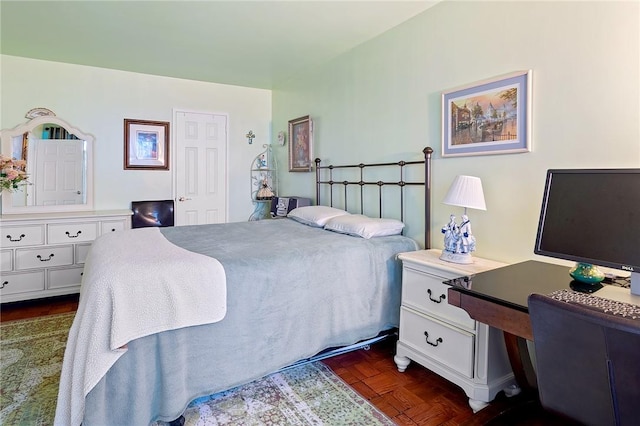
(499, 298)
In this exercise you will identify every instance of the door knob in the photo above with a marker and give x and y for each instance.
(183, 199)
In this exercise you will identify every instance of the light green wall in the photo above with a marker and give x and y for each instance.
(382, 102)
(97, 100)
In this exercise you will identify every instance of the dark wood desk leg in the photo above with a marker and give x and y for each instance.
(520, 360)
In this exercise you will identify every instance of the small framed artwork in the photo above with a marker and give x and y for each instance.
(146, 145)
(488, 117)
(300, 144)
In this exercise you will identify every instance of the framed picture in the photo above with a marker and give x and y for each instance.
(146, 145)
(300, 144)
(488, 117)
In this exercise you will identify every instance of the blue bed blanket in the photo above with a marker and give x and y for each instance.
(292, 291)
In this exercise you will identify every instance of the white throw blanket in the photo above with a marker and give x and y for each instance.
(135, 283)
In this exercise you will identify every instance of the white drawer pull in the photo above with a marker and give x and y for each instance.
(442, 297)
(45, 260)
(16, 239)
(438, 340)
(73, 236)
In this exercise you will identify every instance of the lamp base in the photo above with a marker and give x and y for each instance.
(464, 258)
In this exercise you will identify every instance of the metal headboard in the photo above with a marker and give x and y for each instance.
(401, 183)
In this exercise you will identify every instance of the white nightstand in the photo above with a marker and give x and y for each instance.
(442, 337)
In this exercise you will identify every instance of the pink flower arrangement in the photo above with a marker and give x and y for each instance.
(11, 173)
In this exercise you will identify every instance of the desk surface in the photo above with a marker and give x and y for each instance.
(499, 298)
(510, 286)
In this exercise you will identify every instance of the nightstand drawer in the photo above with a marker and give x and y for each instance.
(17, 236)
(72, 232)
(450, 346)
(21, 283)
(44, 257)
(426, 293)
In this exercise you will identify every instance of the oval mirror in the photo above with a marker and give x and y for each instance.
(59, 167)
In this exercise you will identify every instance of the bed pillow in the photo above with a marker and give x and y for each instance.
(315, 215)
(363, 226)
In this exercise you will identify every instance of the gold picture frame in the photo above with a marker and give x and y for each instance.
(300, 144)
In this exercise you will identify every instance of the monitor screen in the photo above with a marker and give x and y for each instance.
(592, 216)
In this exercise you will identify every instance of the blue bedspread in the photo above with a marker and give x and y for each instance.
(292, 291)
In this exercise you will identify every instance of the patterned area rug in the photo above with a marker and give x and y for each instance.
(310, 394)
(31, 354)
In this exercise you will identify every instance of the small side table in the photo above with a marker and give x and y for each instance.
(264, 183)
(444, 338)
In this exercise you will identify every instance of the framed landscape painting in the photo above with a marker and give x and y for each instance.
(488, 117)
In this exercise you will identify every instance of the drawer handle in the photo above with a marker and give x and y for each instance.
(442, 297)
(113, 229)
(4, 284)
(438, 340)
(73, 236)
(15, 240)
(44, 260)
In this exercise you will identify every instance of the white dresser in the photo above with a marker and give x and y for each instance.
(442, 337)
(43, 255)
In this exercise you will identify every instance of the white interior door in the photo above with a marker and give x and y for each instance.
(200, 168)
(59, 171)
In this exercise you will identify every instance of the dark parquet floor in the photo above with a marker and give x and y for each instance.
(415, 397)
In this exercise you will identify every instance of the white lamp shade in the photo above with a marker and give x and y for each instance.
(466, 191)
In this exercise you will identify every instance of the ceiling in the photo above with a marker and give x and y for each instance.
(245, 43)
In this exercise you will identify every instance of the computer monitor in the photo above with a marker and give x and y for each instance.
(592, 216)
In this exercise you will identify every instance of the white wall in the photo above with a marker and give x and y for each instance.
(382, 101)
(97, 101)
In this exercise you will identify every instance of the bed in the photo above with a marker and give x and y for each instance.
(292, 290)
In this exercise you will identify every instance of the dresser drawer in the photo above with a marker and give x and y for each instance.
(426, 293)
(46, 257)
(113, 226)
(60, 278)
(21, 283)
(6, 260)
(17, 236)
(61, 233)
(452, 347)
(82, 250)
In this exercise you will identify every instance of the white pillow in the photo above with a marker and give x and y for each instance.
(363, 226)
(315, 215)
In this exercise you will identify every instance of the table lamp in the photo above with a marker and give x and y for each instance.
(459, 242)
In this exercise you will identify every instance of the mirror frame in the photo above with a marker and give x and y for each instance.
(7, 135)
